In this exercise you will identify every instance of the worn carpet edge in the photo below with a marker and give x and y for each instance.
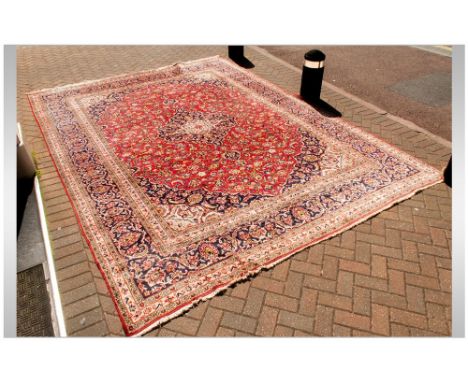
(118, 76)
(216, 290)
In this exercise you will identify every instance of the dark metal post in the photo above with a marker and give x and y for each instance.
(236, 52)
(312, 75)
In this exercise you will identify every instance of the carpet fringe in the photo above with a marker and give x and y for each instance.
(256, 271)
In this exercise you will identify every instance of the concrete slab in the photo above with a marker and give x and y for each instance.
(434, 89)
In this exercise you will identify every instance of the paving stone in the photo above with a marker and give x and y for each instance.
(341, 331)
(445, 278)
(355, 267)
(330, 267)
(296, 321)
(75, 282)
(113, 324)
(352, 320)
(437, 297)
(344, 285)
(361, 302)
(241, 290)
(281, 302)
(308, 302)
(253, 303)
(323, 321)
(61, 232)
(236, 321)
(319, 283)
(225, 332)
(97, 330)
(386, 251)
(68, 250)
(403, 265)
(396, 282)
(380, 322)
(76, 308)
(293, 285)
(370, 282)
(210, 322)
(408, 318)
(437, 321)
(422, 281)
(280, 271)
(107, 304)
(283, 331)
(78, 293)
(84, 320)
(71, 271)
(197, 312)
(305, 267)
(167, 333)
(335, 301)
(228, 303)
(268, 285)
(415, 299)
(267, 321)
(379, 266)
(389, 299)
(67, 240)
(70, 260)
(182, 324)
(400, 330)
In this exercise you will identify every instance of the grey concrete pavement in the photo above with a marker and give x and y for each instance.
(410, 83)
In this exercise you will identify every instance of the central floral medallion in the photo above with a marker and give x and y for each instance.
(197, 126)
(185, 136)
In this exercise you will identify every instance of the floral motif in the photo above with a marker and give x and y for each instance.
(196, 126)
(189, 178)
(194, 143)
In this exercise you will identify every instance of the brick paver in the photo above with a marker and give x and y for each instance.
(388, 276)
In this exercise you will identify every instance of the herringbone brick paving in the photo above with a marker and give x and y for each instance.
(388, 276)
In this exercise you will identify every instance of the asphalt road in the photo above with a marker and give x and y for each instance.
(405, 81)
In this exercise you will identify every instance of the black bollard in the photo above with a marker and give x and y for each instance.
(312, 75)
(236, 54)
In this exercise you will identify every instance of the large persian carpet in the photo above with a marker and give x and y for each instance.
(189, 178)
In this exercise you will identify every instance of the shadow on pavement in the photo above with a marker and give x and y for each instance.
(236, 54)
(243, 61)
(24, 188)
(324, 108)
